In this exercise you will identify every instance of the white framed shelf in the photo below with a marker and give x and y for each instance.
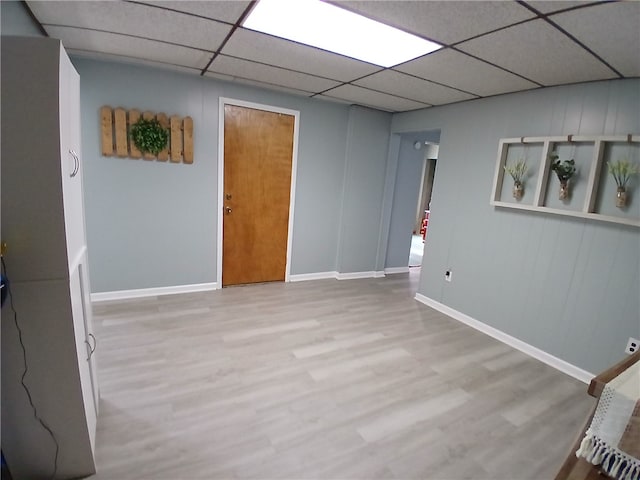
(592, 188)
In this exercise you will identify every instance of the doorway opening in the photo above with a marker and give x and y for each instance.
(423, 212)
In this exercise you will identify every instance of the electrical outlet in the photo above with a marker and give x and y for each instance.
(448, 275)
(632, 345)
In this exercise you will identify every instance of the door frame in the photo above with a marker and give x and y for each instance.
(294, 168)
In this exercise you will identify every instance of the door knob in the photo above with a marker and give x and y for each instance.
(228, 210)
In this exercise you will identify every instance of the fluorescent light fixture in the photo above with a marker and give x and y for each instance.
(326, 26)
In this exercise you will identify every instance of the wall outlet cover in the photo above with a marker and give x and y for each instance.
(632, 345)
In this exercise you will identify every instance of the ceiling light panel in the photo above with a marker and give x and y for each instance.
(442, 21)
(332, 28)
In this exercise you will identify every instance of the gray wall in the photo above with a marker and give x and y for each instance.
(153, 224)
(14, 20)
(567, 286)
(365, 169)
(405, 201)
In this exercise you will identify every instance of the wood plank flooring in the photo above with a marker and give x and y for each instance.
(320, 380)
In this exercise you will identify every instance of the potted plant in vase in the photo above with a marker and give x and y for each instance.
(517, 171)
(622, 171)
(565, 169)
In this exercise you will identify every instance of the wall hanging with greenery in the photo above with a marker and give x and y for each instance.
(565, 169)
(622, 170)
(517, 171)
(135, 134)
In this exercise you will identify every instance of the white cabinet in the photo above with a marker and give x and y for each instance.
(43, 226)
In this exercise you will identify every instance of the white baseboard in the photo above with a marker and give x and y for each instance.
(354, 275)
(151, 292)
(380, 274)
(393, 270)
(303, 277)
(524, 347)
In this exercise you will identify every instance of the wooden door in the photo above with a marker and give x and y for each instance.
(258, 155)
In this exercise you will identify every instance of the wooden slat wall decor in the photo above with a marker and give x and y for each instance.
(106, 126)
(163, 156)
(187, 129)
(121, 132)
(115, 125)
(176, 138)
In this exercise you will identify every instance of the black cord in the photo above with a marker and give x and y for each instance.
(26, 369)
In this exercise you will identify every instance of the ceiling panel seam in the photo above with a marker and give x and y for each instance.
(497, 66)
(160, 7)
(220, 54)
(226, 39)
(129, 35)
(546, 18)
(82, 50)
(376, 91)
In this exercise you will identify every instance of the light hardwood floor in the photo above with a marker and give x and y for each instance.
(322, 379)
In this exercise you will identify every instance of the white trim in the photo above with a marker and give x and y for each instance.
(354, 275)
(294, 169)
(524, 347)
(303, 277)
(394, 270)
(152, 292)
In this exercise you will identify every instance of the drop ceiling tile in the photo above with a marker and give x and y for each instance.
(266, 86)
(548, 6)
(618, 45)
(370, 98)
(442, 21)
(114, 44)
(465, 73)
(540, 52)
(282, 53)
(134, 19)
(226, 11)
(247, 70)
(397, 83)
(130, 60)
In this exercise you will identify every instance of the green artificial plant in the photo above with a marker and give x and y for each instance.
(517, 171)
(622, 170)
(565, 169)
(149, 136)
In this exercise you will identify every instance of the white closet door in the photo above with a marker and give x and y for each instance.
(71, 162)
(84, 350)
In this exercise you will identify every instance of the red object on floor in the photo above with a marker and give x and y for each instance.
(425, 224)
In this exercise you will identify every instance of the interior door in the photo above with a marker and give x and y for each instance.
(258, 155)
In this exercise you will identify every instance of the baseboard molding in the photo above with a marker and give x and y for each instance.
(524, 347)
(303, 277)
(355, 275)
(151, 292)
(394, 270)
